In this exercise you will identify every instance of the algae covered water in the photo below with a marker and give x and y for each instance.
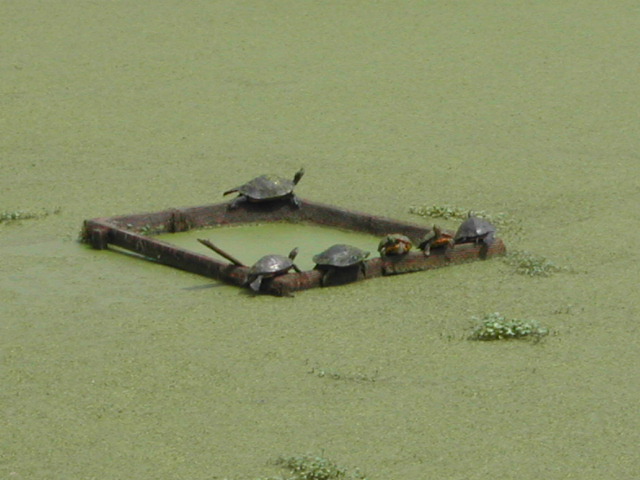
(112, 367)
(248, 243)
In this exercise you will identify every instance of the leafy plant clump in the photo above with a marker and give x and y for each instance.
(502, 221)
(440, 211)
(18, 215)
(523, 262)
(495, 326)
(527, 263)
(313, 467)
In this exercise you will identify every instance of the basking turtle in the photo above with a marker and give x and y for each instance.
(270, 266)
(434, 239)
(394, 244)
(340, 257)
(266, 188)
(475, 230)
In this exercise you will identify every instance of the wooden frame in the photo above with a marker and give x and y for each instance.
(135, 233)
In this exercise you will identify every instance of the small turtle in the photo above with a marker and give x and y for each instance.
(475, 230)
(394, 244)
(270, 266)
(342, 258)
(266, 188)
(436, 238)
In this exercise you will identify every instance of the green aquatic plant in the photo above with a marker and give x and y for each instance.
(19, 215)
(523, 262)
(148, 230)
(313, 467)
(502, 221)
(353, 377)
(568, 309)
(495, 326)
(532, 265)
(440, 211)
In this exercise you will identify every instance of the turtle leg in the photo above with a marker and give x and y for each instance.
(426, 248)
(363, 269)
(256, 283)
(486, 242)
(295, 201)
(236, 202)
(295, 267)
(448, 249)
(489, 239)
(326, 277)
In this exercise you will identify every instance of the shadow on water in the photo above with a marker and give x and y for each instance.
(204, 287)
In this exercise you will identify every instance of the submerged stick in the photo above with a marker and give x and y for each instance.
(221, 252)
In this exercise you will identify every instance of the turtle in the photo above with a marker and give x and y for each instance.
(340, 255)
(270, 266)
(436, 238)
(266, 188)
(394, 244)
(475, 230)
(345, 258)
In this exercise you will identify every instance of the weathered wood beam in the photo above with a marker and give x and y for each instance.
(134, 233)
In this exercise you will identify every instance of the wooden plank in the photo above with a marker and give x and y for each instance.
(132, 232)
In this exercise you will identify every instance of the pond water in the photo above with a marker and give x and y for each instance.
(248, 243)
(112, 367)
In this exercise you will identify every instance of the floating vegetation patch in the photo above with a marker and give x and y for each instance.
(313, 467)
(523, 262)
(440, 211)
(495, 326)
(19, 215)
(532, 265)
(567, 310)
(352, 377)
(503, 221)
(148, 230)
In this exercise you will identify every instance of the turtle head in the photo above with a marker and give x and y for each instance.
(298, 176)
(293, 253)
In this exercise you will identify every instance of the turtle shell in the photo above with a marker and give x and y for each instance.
(340, 256)
(394, 244)
(271, 265)
(436, 237)
(473, 229)
(266, 187)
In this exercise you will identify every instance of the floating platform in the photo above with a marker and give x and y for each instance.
(135, 233)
